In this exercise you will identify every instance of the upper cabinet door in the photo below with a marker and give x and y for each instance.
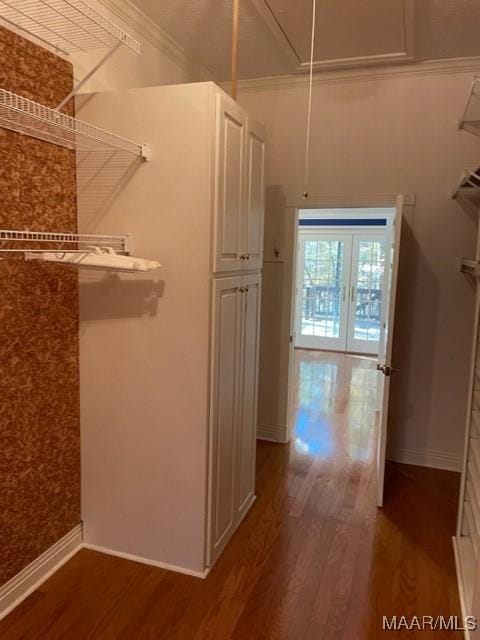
(229, 188)
(253, 220)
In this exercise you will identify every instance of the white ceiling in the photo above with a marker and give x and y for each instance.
(275, 34)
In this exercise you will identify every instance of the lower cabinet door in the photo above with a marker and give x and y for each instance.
(228, 303)
(247, 426)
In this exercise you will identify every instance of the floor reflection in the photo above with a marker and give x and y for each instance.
(335, 404)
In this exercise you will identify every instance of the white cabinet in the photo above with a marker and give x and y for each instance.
(224, 403)
(233, 405)
(169, 360)
(253, 221)
(248, 389)
(240, 189)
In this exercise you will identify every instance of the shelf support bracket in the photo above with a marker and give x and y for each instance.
(80, 84)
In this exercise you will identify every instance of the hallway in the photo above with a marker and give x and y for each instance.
(314, 559)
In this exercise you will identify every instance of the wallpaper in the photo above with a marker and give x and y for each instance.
(39, 368)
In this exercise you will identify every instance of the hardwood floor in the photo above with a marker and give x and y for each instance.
(314, 559)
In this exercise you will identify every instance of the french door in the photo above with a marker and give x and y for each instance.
(340, 284)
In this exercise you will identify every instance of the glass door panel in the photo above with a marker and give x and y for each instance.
(366, 294)
(323, 275)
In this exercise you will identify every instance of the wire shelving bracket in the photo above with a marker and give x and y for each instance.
(470, 120)
(33, 119)
(467, 190)
(69, 26)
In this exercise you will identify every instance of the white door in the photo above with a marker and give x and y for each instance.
(252, 222)
(246, 438)
(323, 278)
(224, 402)
(385, 366)
(366, 292)
(229, 190)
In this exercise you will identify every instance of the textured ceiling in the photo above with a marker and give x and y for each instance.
(343, 29)
(351, 28)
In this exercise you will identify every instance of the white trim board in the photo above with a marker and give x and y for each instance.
(427, 458)
(272, 433)
(13, 592)
(385, 72)
(147, 561)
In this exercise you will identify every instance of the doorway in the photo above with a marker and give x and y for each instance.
(341, 279)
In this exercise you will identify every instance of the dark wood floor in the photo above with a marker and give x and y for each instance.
(314, 560)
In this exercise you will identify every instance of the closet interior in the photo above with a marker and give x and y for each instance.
(165, 362)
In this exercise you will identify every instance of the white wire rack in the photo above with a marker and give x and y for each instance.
(33, 119)
(470, 268)
(106, 253)
(120, 243)
(67, 25)
(467, 191)
(470, 120)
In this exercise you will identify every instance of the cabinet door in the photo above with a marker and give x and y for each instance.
(226, 337)
(229, 190)
(247, 428)
(253, 220)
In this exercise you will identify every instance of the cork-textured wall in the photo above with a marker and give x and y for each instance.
(39, 369)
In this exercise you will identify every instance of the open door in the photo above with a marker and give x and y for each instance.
(385, 366)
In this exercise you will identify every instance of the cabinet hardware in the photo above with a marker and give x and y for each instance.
(353, 294)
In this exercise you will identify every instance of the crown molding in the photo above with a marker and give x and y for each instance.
(429, 67)
(150, 31)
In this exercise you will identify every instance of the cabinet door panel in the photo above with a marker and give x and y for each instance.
(229, 192)
(252, 232)
(246, 440)
(227, 318)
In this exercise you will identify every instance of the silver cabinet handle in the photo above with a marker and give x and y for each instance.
(353, 294)
(344, 296)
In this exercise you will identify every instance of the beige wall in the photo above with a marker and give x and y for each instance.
(387, 136)
(162, 60)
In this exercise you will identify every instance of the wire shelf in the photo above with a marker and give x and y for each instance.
(470, 268)
(33, 119)
(121, 243)
(470, 120)
(467, 191)
(67, 25)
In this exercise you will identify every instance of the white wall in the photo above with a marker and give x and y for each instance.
(162, 61)
(387, 136)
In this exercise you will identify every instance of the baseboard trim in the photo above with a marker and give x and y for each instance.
(147, 561)
(13, 592)
(271, 433)
(428, 458)
(460, 585)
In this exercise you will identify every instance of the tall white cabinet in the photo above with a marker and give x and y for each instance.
(169, 361)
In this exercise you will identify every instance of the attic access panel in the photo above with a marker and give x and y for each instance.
(348, 32)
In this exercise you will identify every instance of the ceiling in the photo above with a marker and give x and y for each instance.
(275, 35)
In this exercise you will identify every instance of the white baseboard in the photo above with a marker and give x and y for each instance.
(13, 592)
(428, 458)
(272, 433)
(151, 563)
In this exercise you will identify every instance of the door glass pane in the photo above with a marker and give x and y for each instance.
(368, 309)
(322, 284)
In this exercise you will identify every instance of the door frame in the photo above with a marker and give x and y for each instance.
(337, 206)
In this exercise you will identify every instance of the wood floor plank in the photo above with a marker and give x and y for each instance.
(313, 560)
